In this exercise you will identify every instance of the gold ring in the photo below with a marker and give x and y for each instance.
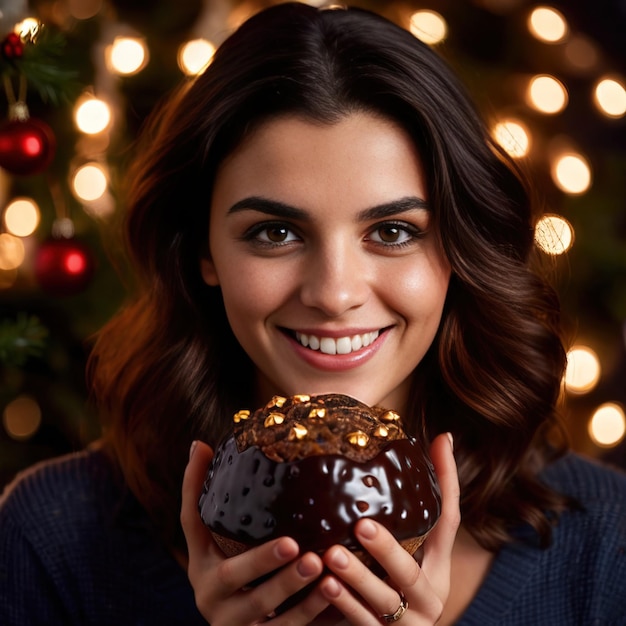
(400, 611)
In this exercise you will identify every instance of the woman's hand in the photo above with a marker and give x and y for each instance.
(364, 598)
(222, 585)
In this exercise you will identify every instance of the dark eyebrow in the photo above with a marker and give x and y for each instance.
(280, 209)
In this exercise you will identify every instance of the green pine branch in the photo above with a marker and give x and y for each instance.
(20, 339)
(44, 66)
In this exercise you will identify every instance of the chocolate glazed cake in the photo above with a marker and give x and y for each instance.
(310, 467)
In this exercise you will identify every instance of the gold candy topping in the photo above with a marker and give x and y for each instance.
(301, 397)
(298, 431)
(318, 412)
(244, 414)
(358, 438)
(381, 431)
(276, 401)
(390, 416)
(273, 419)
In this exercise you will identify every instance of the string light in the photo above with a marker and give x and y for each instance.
(571, 173)
(547, 94)
(22, 417)
(194, 56)
(607, 425)
(513, 136)
(547, 24)
(89, 182)
(92, 115)
(583, 370)
(127, 55)
(21, 217)
(610, 97)
(554, 234)
(11, 251)
(428, 26)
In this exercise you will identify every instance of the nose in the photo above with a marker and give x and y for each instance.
(335, 279)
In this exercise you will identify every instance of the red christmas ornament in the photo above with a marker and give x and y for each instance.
(63, 267)
(26, 146)
(12, 47)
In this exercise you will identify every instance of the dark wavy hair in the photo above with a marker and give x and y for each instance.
(167, 369)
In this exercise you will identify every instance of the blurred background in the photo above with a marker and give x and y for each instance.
(79, 78)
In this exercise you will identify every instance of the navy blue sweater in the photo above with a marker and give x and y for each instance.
(75, 548)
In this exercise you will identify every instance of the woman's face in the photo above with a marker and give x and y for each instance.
(322, 245)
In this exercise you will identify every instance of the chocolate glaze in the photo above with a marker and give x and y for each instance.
(251, 499)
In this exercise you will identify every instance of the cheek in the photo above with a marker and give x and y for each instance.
(420, 293)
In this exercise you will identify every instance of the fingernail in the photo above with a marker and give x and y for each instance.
(367, 529)
(305, 568)
(331, 588)
(451, 440)
(192, 449)
(339, 558)
(286, 550)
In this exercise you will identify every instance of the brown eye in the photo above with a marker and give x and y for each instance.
(277, 234)
(390, 234)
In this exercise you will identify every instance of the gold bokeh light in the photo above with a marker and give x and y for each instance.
(428, 26)
(547, 24)
(547, 94)
(21, 217)
(607, 425)
(583, 370)
(554, 234)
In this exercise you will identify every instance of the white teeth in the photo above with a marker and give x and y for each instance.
(343, 345)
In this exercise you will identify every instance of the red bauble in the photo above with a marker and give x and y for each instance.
(63, 267)
(12, 47)
(26, 146)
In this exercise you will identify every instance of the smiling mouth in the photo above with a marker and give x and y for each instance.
(339, 345)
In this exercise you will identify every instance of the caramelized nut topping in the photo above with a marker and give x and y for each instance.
(274, 418)
(301, 397)
(318, 412)
(244, 414)
(381, 431)
(276, 402)
(390, 416)
(298, 431)
(358, 438)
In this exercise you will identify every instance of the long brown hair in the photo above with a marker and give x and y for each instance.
(168, 369)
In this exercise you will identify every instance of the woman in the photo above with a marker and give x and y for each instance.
(323, 210)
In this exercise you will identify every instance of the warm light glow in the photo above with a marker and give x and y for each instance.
(84, 9)
(89, 182)
(583, 370)
(547, 24)
(513, 137)
(27, 28)
(554, 234)
(92, 116)
(547, 94)
(11, 251)
(428, 26)
(610, 97)
(21, 217)
(127, 55)
(75, 263)
(607, 426)
(22, 417)
(572, 174)
(195, 55)
(7, 278)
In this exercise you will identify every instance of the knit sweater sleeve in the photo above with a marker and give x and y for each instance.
(28, 594)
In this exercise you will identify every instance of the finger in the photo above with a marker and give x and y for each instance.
(380, 597)
(439, 544)
(287, 587)
(200, 544)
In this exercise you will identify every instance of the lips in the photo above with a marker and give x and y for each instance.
(338, 345)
